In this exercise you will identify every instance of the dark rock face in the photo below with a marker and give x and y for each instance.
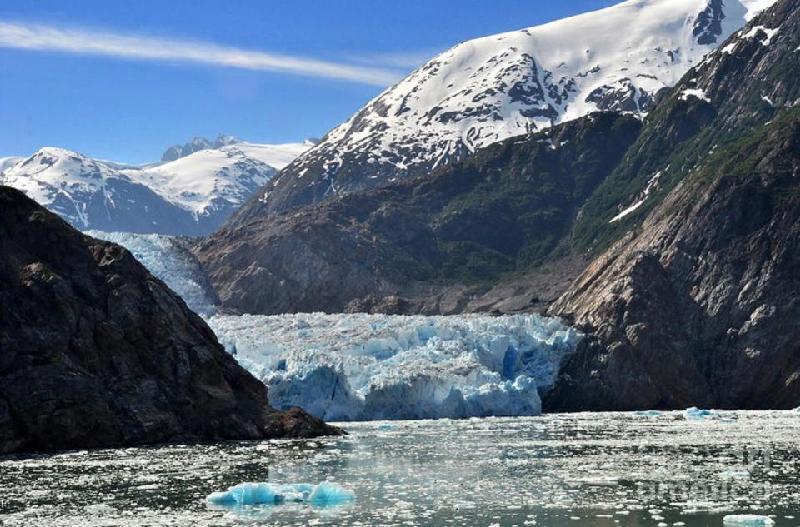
(708, 26)
(700, 307)
(698, 302)
(96, 352)
(436, 244)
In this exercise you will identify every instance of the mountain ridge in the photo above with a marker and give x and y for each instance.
(704, 272)
(488, 89)
(97, 352)
(191, 195)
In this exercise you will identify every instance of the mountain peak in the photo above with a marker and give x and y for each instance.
(195, 145)
(486, 90)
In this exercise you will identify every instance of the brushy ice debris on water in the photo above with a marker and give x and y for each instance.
(169, 259)
(325, 494)
(747, 520)
(376, 367)
(648, 413)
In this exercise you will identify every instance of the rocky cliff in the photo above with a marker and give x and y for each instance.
(701, 306)
(96, 352)
(434, 244)
(698, 302)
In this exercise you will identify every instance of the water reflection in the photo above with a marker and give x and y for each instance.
(586, 469)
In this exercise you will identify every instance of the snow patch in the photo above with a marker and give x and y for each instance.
(651, 185)
(757, 30)
(694, 92)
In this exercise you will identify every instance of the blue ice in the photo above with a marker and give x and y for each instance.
(747, 520)
(324, 494)
(696, 414)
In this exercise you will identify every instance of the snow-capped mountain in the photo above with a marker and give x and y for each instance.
(486, 90)
(191, 195)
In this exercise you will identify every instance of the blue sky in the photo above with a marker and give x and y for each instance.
(113, 79)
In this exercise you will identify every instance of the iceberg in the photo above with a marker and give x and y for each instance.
(378, 367)
(169, 259)
(696, 414)
(747, 520)
(325, 494)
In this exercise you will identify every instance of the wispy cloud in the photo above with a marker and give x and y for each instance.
(130, 46)
(405, 61)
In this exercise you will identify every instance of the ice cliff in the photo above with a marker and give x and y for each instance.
(363, 367)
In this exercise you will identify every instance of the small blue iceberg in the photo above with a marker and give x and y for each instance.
(696, 414)
(747, 520)
(387, 427)
(325, 494)
(647, 413)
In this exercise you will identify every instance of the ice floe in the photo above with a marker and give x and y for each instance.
(697, 414)
(324, 494)
(747, 520)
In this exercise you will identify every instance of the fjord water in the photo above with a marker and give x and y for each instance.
(585, 469)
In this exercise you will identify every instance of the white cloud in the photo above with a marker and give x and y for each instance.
(405, 61)
(130, 46)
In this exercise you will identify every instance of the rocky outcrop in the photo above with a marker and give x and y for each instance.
(459, 239)
(698, 303)
(701, 306)
(96, 352)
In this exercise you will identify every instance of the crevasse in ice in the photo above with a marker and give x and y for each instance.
(363, 367)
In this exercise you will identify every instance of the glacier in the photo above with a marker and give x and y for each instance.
(354, 367)
(379, 367)
(170, 260)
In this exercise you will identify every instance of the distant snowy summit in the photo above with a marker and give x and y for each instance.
(195, 145)
(489, 89)
(192, 194)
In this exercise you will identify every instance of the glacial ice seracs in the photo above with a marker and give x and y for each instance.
(368, 367)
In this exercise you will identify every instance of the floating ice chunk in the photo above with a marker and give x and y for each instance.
(323, 495)
(735, 474)
(696, 414)
(648, 413)
(747, 520)
(329, 494)
(387, 427)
